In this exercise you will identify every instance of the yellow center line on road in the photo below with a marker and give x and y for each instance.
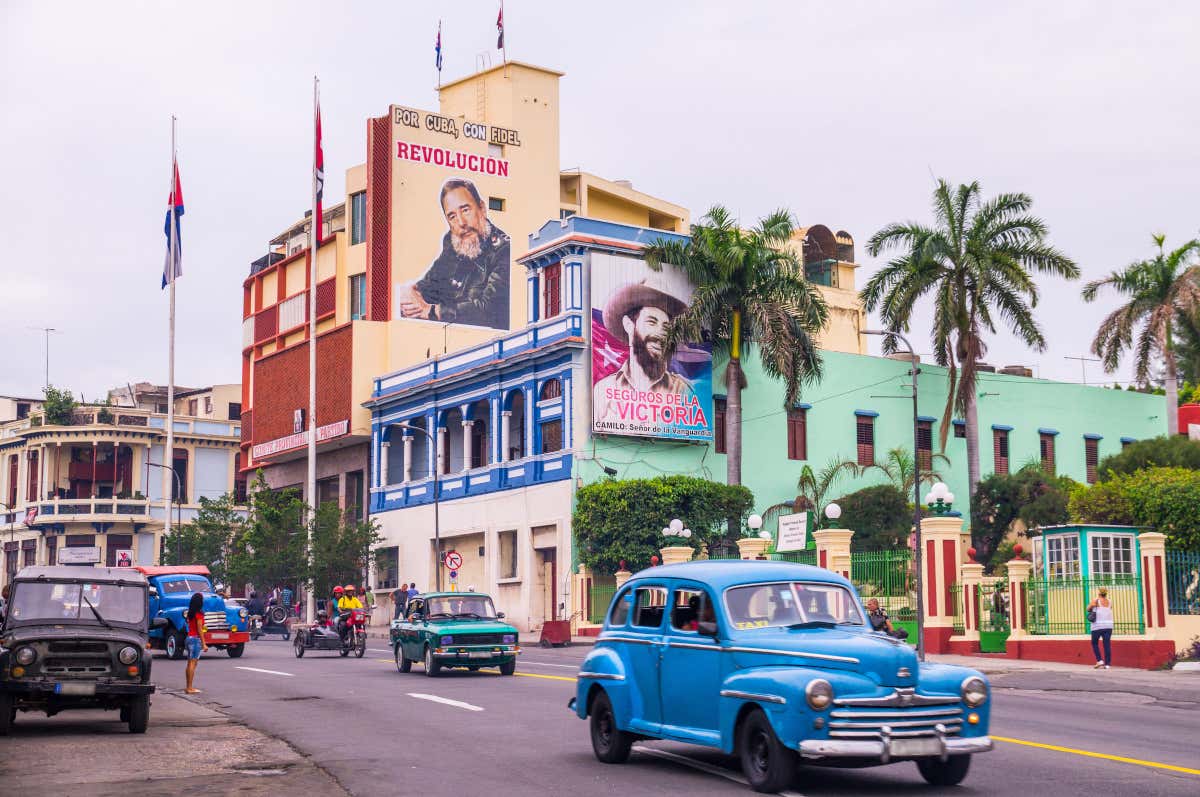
(1107, 757)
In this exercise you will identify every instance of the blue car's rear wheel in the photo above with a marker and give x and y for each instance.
(610, 744)
(766, 763)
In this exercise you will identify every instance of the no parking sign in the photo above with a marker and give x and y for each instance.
(452, 560)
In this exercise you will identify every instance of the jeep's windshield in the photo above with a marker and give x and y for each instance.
(469, 607)
(794, 603)
(36, 601)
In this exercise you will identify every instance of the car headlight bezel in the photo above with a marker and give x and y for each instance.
(974, 691)
(243, 614)
(128, 655)
(25, 655)
(818, 693)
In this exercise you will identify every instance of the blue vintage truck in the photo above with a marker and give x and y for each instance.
(171, 587)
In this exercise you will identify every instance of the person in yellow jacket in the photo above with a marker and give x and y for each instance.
(345, 603)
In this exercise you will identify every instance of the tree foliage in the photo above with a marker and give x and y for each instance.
(59, 406)
(879, 516)
(617, 520)
(977, 262)
(749, 288)
(208, 539)
(1029, 495)
(342, 548)
(1157, 452)
(1156, 499)
(811, 489)
(272, 548)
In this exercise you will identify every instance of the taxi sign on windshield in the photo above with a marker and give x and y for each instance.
(452, 560)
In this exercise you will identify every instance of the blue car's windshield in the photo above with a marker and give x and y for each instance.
(785, 603)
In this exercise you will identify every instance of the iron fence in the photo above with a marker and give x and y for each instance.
(599, 596)
(1059, 606)
(889, 577)
(1183, 582)
(799, 557)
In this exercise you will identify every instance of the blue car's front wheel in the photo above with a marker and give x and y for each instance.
(766, 763)
(610, 744)
(944, 773)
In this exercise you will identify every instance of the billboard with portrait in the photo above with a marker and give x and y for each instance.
(638, 388)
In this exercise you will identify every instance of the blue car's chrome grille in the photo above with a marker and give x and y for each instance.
(216, 621)
(875, 723)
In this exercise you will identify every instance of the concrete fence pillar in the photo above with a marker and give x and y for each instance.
(1018, 585)
(752, 547)
(621, 577)
(972, 578)
(1153, 548)
(834, 544)
(674, 554)
(941, 555)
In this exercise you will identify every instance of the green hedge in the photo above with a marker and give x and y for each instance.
(1158, 499)
(623, 520)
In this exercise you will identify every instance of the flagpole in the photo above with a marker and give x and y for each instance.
(504, 49)
(314, 235)
(169, 455)
(439, 59)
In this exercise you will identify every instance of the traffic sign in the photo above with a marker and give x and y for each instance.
(452, 560)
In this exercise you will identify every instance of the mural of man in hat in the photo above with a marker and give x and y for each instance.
(637, 314)
(468, 283)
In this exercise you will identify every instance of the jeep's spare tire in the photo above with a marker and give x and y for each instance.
(277, 615)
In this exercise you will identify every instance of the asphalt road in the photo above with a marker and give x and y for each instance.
(378, 732)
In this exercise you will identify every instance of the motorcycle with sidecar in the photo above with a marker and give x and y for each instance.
(318, 636)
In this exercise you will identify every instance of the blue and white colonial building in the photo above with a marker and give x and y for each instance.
(500, 425)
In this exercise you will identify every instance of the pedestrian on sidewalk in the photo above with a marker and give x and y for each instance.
(195, 639)
(413, 591)
(1100, 615)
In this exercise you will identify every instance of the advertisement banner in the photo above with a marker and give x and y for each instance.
(637, 388)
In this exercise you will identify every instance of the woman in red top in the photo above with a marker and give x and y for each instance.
(195, 638)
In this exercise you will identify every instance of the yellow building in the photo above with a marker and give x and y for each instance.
(96, 483)
(420, 260)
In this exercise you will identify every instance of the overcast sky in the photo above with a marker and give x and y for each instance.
(843, 112)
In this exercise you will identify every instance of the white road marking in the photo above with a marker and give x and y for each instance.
(704, 767)
(268, 672)
(380, 650)
(445, 701)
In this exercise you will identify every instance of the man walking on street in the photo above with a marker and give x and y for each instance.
(400, 598)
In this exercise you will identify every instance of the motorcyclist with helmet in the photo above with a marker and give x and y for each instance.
(345, 604)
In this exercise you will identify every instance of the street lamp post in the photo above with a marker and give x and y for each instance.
(916, 487)
(437, 531)
(178, 491)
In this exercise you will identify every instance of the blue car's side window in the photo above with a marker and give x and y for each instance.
(650, 604)
(620, 610)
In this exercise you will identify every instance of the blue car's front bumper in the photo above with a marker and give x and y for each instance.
(885, 750)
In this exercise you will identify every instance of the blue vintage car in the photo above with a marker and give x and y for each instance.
(171, 587)
(774, 662)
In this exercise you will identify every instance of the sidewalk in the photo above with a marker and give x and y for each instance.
(189, 749)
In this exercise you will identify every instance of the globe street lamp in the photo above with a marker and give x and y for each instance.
(832, 513)
(675, 529)
(939, 499)
(755, 523)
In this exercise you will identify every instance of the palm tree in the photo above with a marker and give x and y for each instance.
(812, 487)
(1162, 291)
(976, 261)
(749, 290)
(901, 470)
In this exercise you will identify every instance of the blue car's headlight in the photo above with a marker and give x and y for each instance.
(974, 691)
(447, 640)
(242, 613)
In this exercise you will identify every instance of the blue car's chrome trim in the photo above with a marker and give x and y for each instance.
(601, 676)
(899, 715)
(899, 697)
(754, 696)
(692, 645)
(631, 640)
(794, 654)
(882, 751)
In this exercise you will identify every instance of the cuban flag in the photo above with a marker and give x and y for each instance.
(319, 180)
(500, 28)
(173, 263)
(437, 49)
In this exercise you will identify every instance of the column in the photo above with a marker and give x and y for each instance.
(972, 577)
(96, 456)
(941, 558)
(529, 402)
(1018, 578)
(467, 449)
(493, 436)
(1153, 548)
(674, 554)
(504, 435)
(438, 449)
(622, 576)
(384, 448)
(833, 550)
(144, 474)
(752, 547)
(408, 444)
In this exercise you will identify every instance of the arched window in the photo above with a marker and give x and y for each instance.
(551, 389)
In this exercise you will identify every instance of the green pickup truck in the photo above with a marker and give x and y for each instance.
(454, 629)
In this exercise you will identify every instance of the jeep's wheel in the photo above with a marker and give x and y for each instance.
(610, 744)
(766, 763)
(139, 714)
(403, 663)
(175, 644)
(236, 651)
(8, 713)
(432, 667)
(944, 773)
(287, 635)
(508, 667)
(299, 646)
